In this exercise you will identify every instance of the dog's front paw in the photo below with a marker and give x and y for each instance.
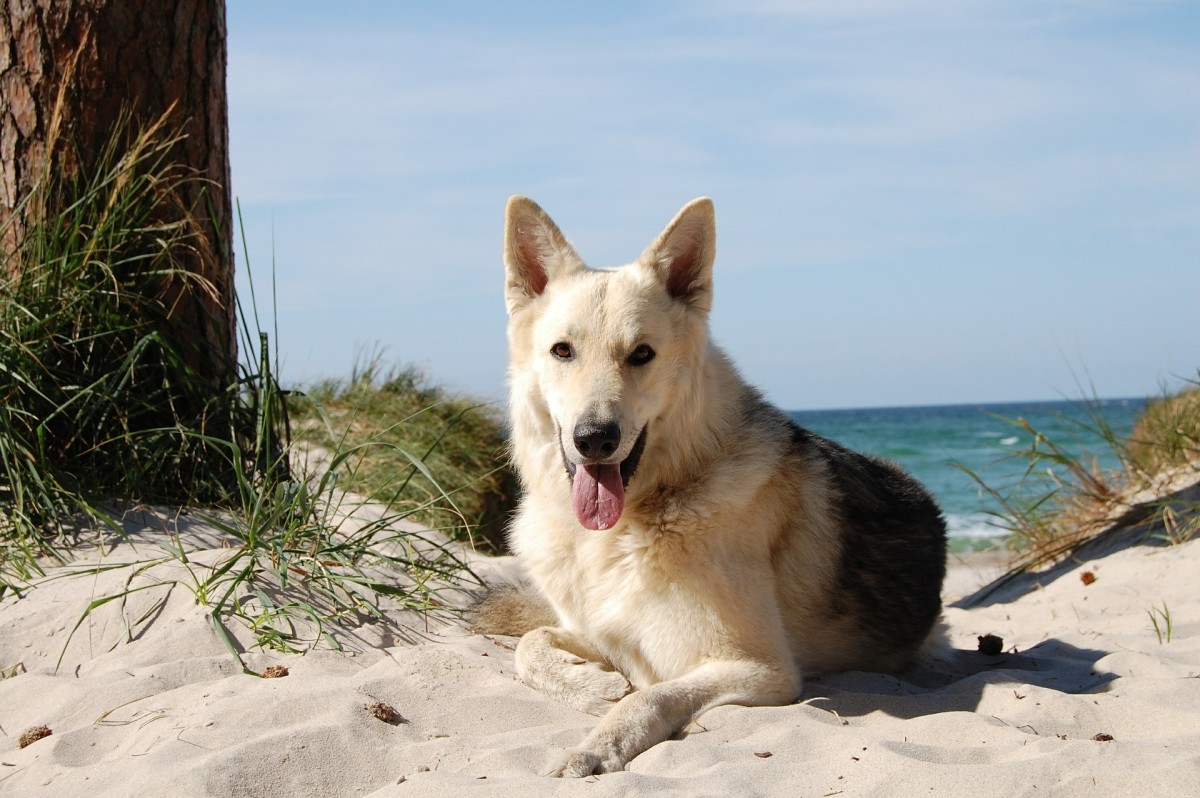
(600, 688)
(577, 763)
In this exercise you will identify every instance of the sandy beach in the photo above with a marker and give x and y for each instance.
(1084, 698)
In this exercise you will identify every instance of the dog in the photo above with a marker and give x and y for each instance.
(689, 544)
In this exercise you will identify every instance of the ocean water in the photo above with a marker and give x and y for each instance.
(936, 443)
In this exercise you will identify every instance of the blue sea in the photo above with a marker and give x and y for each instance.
(935, 444)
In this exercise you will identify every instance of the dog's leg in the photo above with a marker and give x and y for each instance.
(566, 667)
(647, 717)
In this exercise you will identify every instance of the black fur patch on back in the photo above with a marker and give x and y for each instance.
(893, 538)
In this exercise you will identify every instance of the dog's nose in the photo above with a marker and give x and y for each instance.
(597, 439)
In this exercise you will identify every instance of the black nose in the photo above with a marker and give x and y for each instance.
(597, 439)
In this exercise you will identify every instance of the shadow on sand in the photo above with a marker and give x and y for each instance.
(1141, 524)
(958, 681)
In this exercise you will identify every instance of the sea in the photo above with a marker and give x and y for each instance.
(944, 445)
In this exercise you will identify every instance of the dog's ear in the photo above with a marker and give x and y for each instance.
(683, 254)
(535, 252)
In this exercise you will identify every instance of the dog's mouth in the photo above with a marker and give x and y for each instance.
(598, 489)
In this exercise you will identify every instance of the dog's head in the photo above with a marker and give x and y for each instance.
(601, 356)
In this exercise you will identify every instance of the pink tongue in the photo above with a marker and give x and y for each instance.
(598, 495)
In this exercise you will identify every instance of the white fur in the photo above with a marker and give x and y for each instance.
(714, 586)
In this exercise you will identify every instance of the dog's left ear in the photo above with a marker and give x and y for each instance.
(683, 254)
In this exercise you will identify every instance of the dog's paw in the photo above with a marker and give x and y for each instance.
(600, 688)
(545, 663)
(577, 763)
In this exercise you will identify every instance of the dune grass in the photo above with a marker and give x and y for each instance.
(1167, 434)
(97, 398)
(387, 414)
(1065, 498)
(1160, 619)
(100, 413)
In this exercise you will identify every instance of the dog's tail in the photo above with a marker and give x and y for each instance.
(510, 610)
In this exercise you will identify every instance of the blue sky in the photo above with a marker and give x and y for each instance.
(918, 202)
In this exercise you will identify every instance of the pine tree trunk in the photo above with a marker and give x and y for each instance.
(70, 68)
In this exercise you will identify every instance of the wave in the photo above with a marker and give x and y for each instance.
(974, 526)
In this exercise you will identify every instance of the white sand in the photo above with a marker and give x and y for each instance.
(148, 702)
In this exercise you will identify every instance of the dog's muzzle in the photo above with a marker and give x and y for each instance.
(598, 488)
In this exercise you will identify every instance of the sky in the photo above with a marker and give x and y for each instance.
(918, 201)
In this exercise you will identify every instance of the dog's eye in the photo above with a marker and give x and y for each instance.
(642, 355)
(562, 350)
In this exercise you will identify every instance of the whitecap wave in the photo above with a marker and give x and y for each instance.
(974, 527)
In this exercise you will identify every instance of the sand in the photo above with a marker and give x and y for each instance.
(1085, 699)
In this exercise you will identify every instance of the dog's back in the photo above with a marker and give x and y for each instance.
(890, 564)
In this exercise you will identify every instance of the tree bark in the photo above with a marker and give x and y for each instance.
(70, 68)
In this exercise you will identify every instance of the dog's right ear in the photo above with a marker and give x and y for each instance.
(535, 252)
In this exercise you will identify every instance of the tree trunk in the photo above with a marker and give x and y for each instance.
(70, 68)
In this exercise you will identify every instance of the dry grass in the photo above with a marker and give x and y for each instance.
(1076, 500)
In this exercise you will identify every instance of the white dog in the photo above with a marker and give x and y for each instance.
(695, 546)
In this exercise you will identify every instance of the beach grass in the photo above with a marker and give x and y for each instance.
(387, 414)
(101, 416)
(299, 556)
(1064, 497)
(1160, 619)
(1167, 434)
(97, 397)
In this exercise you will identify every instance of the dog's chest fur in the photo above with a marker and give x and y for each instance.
(644, 594)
